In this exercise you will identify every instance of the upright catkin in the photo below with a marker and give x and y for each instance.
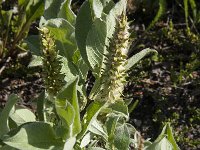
(53, 78)
(113, 75)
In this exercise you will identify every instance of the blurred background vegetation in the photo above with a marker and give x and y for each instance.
(163, 88)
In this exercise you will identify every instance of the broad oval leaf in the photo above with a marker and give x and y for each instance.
(83, 24)
(95, 44)
(120, 108)
(67, 106)
(98, 36)
(63, 33)
(111, 123)
(163, 144)
(52, 8)
(122, 137)
(88, 13)
(35, 135)
(22, 115)
(97, 128)
(97, 8)
(66, 12)
(69, 69)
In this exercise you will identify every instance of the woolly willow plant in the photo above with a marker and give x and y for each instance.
(100, 44)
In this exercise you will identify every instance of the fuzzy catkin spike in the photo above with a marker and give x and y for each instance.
(52, 76)
(113, 75)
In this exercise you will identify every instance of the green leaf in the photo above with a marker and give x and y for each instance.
(162, 134)
(69, 69)
(88, 13)
(21, 2)
(111, 124)
(83, 68)
(95, 148)
(67, 107)
(170, 137)
(185, 2)
(114, 13)
(67, 114)
(36, 61)
(95, 89)
(108, 5)
(97, 128)
(165, 140)
(98, 35)
(6, 17)
(122, 137)
(37, 135)
(66, 12)
(52, 8)
(131, 129)
(84, 22)
(69, 144)
(95, 44)
(137, 57)
(121, 108)
(97, 8)
(85, 140)
(161, 11)
(33, 10)
(63, 33)
(33, 42)
(41, 106)
(21, 115)
(4, 128)
(91, 113)
(6, 147)
(162, 144)
(194, 9)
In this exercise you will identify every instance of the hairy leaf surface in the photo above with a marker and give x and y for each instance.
(36, 135)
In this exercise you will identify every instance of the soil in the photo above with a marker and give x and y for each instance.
(23, 81)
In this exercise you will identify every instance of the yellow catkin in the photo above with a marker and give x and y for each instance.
(113, 75)
(53, 79)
